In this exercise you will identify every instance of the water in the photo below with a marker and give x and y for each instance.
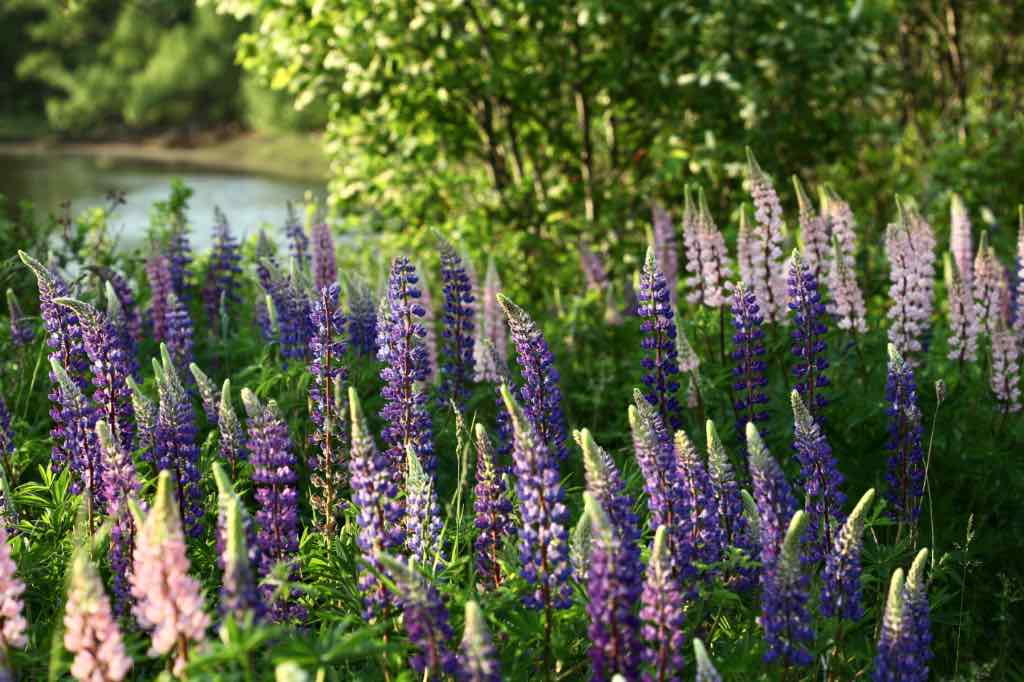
(250, 201)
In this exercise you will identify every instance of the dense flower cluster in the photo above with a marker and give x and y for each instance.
(808, 332)
(704, 523)
(661, 613)
(748, 353)
(736, 530)
(1005, 377)
(288, 310)
(493, 509)
(960, 242)
(422, 513)
(325, 261)
(295, 233)
(178, 331)
(765, 264)
(988, 287)
(661, 367)
(232, 440)
(158, 271)
(963, 320)
(221, 289)
(77, 420)
(775, 501)
(814, 233)
(847, 301)
(822, 482)
(90, 630)
(238, 552)
(904, 644)
(120, 484)
(785, 618)
(126, 297)
(910, 248)
(841, 593)
(362, 318)
(905, 470)
(490, 361)
(457, 370)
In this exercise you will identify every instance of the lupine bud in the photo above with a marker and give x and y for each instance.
(605, 483)
(78, 419)
(960, 242)
(145, 416)
(477, 660)
(493, 510)
(748, 353)
(661, 611)
(224, 270)
(325, 262)
(916, 611)
(821, 480)
(905, 470)
(784, 616)
(775, 502)
(661, 369)
(693, 248)
(715, 257)
(909, 246)
(766, 259)
(729, 503)
(90, 630)
(744, 249)
(841, 593)
(457, 370)
(238, 594)
(22, 330)
(422, 513)
(895, 659)
(579, 548)
(706, 671)
(963, 322)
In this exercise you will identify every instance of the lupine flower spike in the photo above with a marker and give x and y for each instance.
(808, 334)
(158, 271)
(90, 630)
(729, 502)
(22, 330)
(661, 612)
(705, 524)
(989, 283)
(422, 513)
(960, 242)
(660, 364)
(78, 420)
(120, 484)
(909, 246)
(457, 369)
(963, 321)
(664, 235)
(905, 471)
(492, 330)
(168, 602)
(775, 501)
(706, 671)
(766, 258)
(841, 594)
(916, 609)
(605, 483)
(477, 660)
(749, 378)
(298, 242)
(222, 288)
(715, 256)
(846, 304)
(208, 394)
(1018, 321)
(145, 418)
(1005, 378)
(745, 248)
(325, 263)
(12, 623)
(493, 510)
(784, 616)
(362, 317)
(692, 246)
(238, 595)
(821, 479)
(814, 233)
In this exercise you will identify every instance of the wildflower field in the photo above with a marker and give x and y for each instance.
(768, 451)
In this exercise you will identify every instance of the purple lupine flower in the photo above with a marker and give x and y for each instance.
(401, 337)
(265, 261)
(502, 420)
(422, 512)
(706, 671)
(178, 331)
(841, 594)
(766, 260)
(541, 396)
(705, 525)
(593, 269)
(664, 235)
(6, 438)
(493, 513)
(175, 448)
(158, 271)
(326, 406)
(735, 527)
(605, 483)
(208, 393)
(325, 261)
(145, 417)
(910, 246)
(291, 308)
(963, 321)
(425, 617)
(77, 418)
(64, 338)
(23, 332)
(120, 484)
(821, 479)
(660, 363)
(814, 233)
(846, 301)
(298, 242)
(275, 481)
(960, 242)
(785, 590)
(808, 332)
(123, 339)
(457, 369)
(491, 361)
(237, 553)
(478, 661)
(775, 501)
(1017, 307)
(748, 353)
(905, 470)
(904, 643)
(179, 255)
(362, 317)
(232, 439)
(224, 270)
(988, 287)
(915, 602)
(661, 611)
(126, 297)
(614, 585)
(375, 493)
(543, 540)
(110, 368)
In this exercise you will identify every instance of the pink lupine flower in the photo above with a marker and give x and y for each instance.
(1018, 322)
(847, 301)
(814, 234)
(430, 325)
(744, 248)
(168, 602)
(960, 240)
(12, 623)
(989, 280)
(766, 258)
(963, 320)
(909, 246)
(490, 361)
(665, 247)
(90, 630)
(694, 253)
(714, 256)
(1005, 377)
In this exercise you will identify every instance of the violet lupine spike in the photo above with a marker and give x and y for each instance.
(375, 493)
(208, 393)
(6, 437)
(905, 468)
(917, 612)
(736, 530)
(846, 302)
(178, 335)
(126, 297)
(327, 408)
(158, 271)
(821, 480)
(543, 539)
(892, 664)
(814, 233)
(422, 512)
(785, 619)
(909, 246)
(457, 368)
(660, 363)
(175, 448)
(362, 317)
(224, 270)
(23, 332)
(749, 378)
(989, 282)
(664, 235)
(661, 613)
(168, 601)
(692, 247)
(232, 438)
(298, 242)
(705, 524)
(291, 307)
(325, 261)
(841, 593)
(145, 410)
(605, 483)
(78, 431)
(960, 242)
(706, 671)
(1005, 376)
(714, 256)
(745, 249)
(275, 481)
(766, 256)
(541, 397)
(90, 629)
(593, 269)
(477, 659)
(493, 513)
(265, 262)
(775, 501)
(808, 335)
(237, 552)
(401, 340)
(1018, 320)
(120, 484)
(429, 327)
(12, 623)
(179, 254)
(489, 363)
(426, 620)
(64, 338)
(614, 585)
(124, 341)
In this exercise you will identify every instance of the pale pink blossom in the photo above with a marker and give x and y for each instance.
(714, 256)
(909, 246)
(1018, 323)
(492, 329)
(12, 622)
(744, 248)
(90, 631)
(1006, 368)
(694, 253)
(989, 280)
(963, 322)
(665, 248)
(767, 260)
(814, 234)
(960, 242)
(846, 301)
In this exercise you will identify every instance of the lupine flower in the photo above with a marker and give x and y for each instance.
(706, 671)
(905, 471)
(841, 594)
(705, 524)
(593, 269)
(12, 622)
(380, 511)
(963, 321)
(425, 618)
(579, 548)
(808, 331)
(477, 660)
(1018, 320)
(457, 370)
(661, 612)
(614, 585)
(64, 338)
(492, 330)
(748, 351)
(664, 236)
(291, 306)
(232, 440)
(123, 339)
(145, 410)
(766, 259)
(661, 377)
(401, 337)
(6, 438)
(179, 255)
(325, 262)
(988, 284)
(238, 593)
(784, 615)
(745, 249)
(362, 317)
(729, 503)
(265, 262)
(208, 393)
(175, 446)
(275, 481)
(846, 302)
(178, 332)
(78, 430)
(158, 271)
(814, 233)
(543, 541)
(120, 484)
(168, 601)
(429, 328)
(894, 660)
(298, 242)
(693, 248)
(422, 513)
(775, 501)
(493, 510)
(22, 330)
(326, 405)
(715, 257)
(126, 297)
(821, 480)
(542, 399)
(1005, 378)
(917, 612)
(909, 246)
(224, 269)
(90, 630)
(605, 483)
(960, 242)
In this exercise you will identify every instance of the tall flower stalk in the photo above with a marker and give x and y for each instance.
(298, 242)
(493, 331)
(909, 246)
(905, 470)
(422, 512)
(661, 613)
(77, 417)
(457, 369)
(362, 317)
(660, 363)
(664, 236)
(841, 592)
(785, 590)
(714, 256)
(325, 262)
(814, 232)
(960, 242)
(989, 284)
(120, 485)
(963, 321)
(705, 525)
(821, 479)
(766, 256)
(238, 553)
(493, 513)
(90, 629)
(749, 378)
(22, 330)
(774, 497)
(1005, 375)
(223, 284)
(808, 335)
(736, 530)
(158, 271)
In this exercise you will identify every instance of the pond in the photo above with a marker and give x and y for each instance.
(250, 200)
